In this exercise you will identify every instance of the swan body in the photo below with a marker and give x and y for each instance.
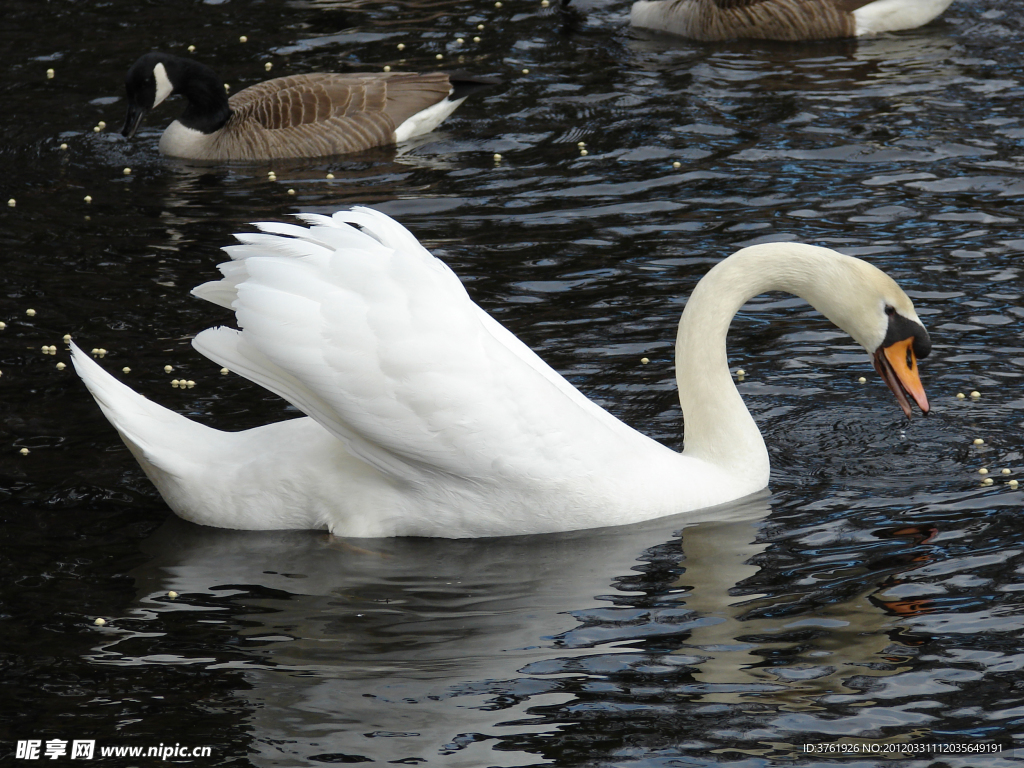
(426, 417)
(783, 19)
(314, 115)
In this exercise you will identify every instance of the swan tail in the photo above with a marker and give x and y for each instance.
(155, 435)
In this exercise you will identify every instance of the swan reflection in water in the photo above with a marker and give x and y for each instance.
(397, 648)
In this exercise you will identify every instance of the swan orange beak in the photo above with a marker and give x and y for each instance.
(897, 365)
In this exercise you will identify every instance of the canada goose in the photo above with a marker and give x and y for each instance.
(312, 115)
(428, 418)
(783, 19)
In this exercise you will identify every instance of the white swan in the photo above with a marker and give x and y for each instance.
(428, 418)
(783, 19)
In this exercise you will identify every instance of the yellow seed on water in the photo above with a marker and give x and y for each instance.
(740, 372)
(1012, 483)
(268, 66)
(978, 441)
(127, 171)
(101, 125)
(227, 88)
(172, 594)
(439, 56)
(983, 471)
(64, 147)
(476, 39)
(291, 191)
(862, 380)
(87, 198)
(175, 382)
(190, 383)
(30, 312)
(2, 325)
(526, 71)
(544, 3)
(583, 153)
(24, 451)
(644, 360)
(460, 40)
(330, 175)
(102, 352)
(387, 67)
(96, 129)
(168, 368)
(960, 395)
(61, 366)
(67, 338)
(1005, 471)
(100, 622)
(498, 4)
(224, 371)
(126, 369)
(480, 27)
(243, 39)
(497, 157)
(401, 46)
(677, 164)
(581, 144)
(987, 481)
(975, 394)
(11, 203)
(49, 74)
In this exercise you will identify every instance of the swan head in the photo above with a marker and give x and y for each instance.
(878, 314)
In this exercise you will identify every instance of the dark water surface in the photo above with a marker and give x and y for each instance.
(873, 597)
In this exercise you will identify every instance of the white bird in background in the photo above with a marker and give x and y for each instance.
(314, 115)
(783, 19)
(425, 417)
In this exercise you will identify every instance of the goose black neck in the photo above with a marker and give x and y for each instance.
(208, 108)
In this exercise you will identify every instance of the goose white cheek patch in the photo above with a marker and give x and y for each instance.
(163, 84)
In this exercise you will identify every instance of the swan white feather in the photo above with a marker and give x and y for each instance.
(426, 417)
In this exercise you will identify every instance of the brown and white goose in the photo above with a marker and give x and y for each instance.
(314, 115)
(783, 19)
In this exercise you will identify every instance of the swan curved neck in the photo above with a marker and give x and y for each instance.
(717, 426)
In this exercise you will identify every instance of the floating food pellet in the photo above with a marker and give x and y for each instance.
(190, 383)
(583, 153)
(544, 3)
(49, 74)
(87, 198)
(862, 380)
(987, 481)
(460, 40)
(191, 49)
(61, 366)
(480, 27)
(960, 395)
(740, 372)
(439, 56)
(983, 471)
(291, 191)
(2, 325)
(172, 594)
(1004, 471)
(677, 164)
(243, 39)
(330, 175)
(67, 338)
(30, 312)
(401, 46)
(387, 67)
(63, 147)
(497, 157)
(268, 66)
(11, 203)
(978, 441)
(227, 88)
(168, 368)
(224, 371)
(96, 129)
(476, 39)
(127, 171)
(175, 382)
(126, 369)
(100, 622)
(526, 71)
(644, 360)
(581, 144)
(24, 451)
(101, 125)
(1012, 483)
(498, 4)
(975, 394)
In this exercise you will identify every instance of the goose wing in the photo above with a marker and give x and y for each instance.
(353, 112)
(366, 332)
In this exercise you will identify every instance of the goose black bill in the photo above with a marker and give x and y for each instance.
(132, 120)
